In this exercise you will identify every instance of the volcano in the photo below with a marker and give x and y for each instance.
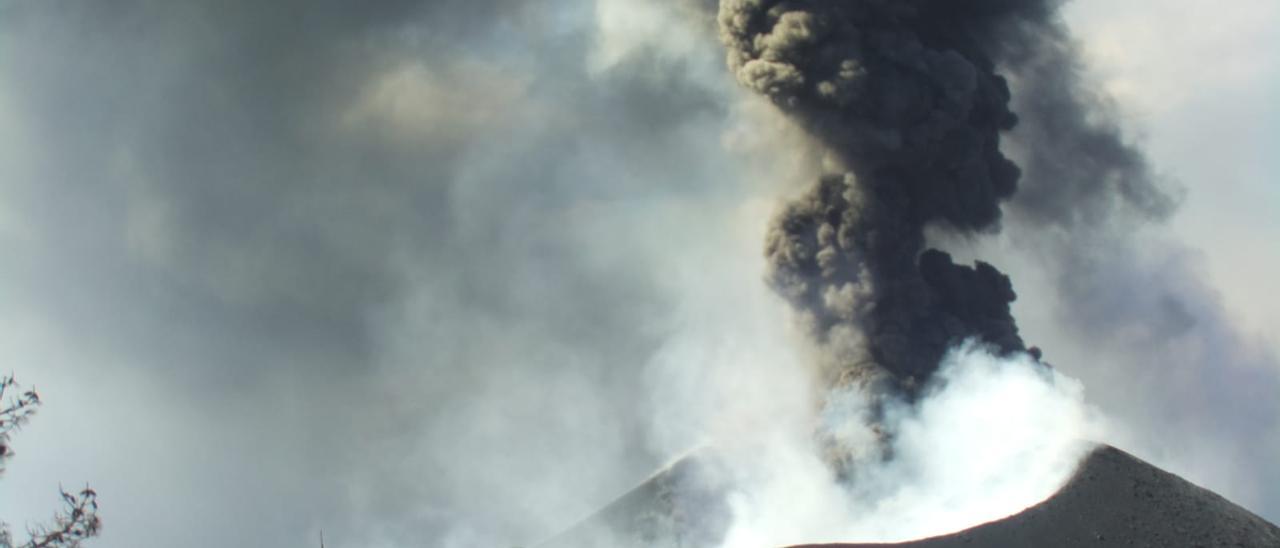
(1114, 499)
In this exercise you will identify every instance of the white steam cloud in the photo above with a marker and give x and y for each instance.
(989, 437)
(992, 437)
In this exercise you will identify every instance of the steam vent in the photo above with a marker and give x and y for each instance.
(1113, 500)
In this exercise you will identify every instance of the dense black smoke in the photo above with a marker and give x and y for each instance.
(916, 102)
(908, 98)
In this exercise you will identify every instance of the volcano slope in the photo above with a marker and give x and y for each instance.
(681, 505)
(1113, 500)
(1116, 500)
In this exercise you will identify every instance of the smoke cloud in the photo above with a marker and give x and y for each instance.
(989, 436)
(906, 97)
(459, 273)
(392, 272)
(918, 104)
(1114, 298)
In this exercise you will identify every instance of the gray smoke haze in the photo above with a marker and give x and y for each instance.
(455, 274)
(1120, 304)
(1108, 293)
(389, 271)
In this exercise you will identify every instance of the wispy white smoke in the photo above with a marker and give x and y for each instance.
(991, 437)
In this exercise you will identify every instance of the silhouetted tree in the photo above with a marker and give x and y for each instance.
(78, 519)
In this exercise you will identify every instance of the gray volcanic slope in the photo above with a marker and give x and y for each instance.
(679, 506)
(1113, 500)
(1117, 500)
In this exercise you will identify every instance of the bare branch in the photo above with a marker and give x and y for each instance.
(78, 519)
(14, 412)
(77, 522)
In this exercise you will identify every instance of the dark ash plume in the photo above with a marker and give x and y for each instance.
(906, 96)
(1080, 172)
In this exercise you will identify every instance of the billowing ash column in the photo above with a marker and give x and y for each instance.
(906, 97)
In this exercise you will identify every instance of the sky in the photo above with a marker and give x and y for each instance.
(422, 273)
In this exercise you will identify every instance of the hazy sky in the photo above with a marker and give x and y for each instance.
(1196, 80)
(408, 274)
